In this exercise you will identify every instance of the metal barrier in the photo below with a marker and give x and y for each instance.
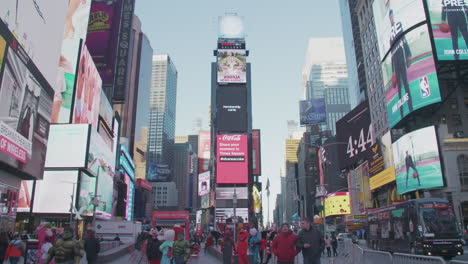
(458, 262)
(400, 258)
(373, 256)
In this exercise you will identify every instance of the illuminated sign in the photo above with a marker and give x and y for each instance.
(337, 204)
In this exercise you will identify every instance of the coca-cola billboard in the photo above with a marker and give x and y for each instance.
(231, 159)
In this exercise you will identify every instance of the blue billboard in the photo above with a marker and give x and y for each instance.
(312, 111)
(158, 172)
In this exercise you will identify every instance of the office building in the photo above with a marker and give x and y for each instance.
(166, 195)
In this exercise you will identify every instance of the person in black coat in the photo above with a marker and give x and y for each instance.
(3, 245)
(153, 253)
(91, 247)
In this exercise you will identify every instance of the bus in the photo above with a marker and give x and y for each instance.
(424, 226)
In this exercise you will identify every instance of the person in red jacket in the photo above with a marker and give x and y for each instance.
(284, 245)
(242, 246)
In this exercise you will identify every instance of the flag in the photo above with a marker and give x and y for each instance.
(267, 187)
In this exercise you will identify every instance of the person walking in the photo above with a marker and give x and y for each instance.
(328, 242)
(153, 253)
(14, 250)
(167, 246)
(3, 245)
(227, 247)
(254, 246)
(209, 242)
(334, 245)
(284, 245)
(310, 241)
(91, 246)
(181, 252)
(268, 249)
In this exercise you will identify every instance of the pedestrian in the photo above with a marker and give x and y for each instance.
(92, 247)
(181, 252)
(284, 245)
(328, 242)
(209, 242)
(153, 253)
(167, 246)
(254, 246)
(227, 247)
(45, 250)
(263, 245)
(3, 245)
(66, 250)
(268, 250)
(14, 250)
(310, 241)
(334, 245)
(242, 247)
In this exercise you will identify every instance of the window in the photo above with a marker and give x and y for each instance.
(462, 162)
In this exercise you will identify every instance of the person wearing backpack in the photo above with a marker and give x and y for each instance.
(153, 253)
(181, 252)
(167, 246)
(14, 250)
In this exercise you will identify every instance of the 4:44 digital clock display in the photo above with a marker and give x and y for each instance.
(362, 143)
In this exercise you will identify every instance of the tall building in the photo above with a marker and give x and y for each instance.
(162, 110)
(325, 76)
(181, 174)
(166, 195)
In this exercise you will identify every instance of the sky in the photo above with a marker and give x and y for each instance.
(277, 38)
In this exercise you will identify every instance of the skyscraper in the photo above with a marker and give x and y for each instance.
(325, 76)
(162, 110)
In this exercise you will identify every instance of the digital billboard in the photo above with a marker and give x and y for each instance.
(393, 18)
(231, 159)
(100, 156)
(25, 109)
(204, 151)
(87, 192)
(355, 133)
(448, 24)
(222, 214)
(25, 196)
(381, 168)
(159, 172)
(232, 66)
(204, 183)
(39, 27)
(231, 109)
(88, 91)
(360, 195)
(256, 153)
(105, 110)
(231, 27)
(59, 187)
(409, 75)
(337, 204)
(227, 193)
(417, 161)
(313, 111)
(67, 146)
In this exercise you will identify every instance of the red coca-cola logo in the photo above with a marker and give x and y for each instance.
(231, 137)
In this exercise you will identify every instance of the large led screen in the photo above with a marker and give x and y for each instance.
(256, 153)
(381, 168)
(25, 196)
(337, 204)
(231, 27)
(59, 187)
(204, 183)
(232, 66)
(417, 161)
(25, 109)
(222, 214)
(100, 156)
(227, 193)
(204, 151)
(312, 112)
(68, 145)
(231, 159)
(449, 28)
(88, 91)
(393, 18)
(232, 109)
(86, 194)
(38, 26)
(158, 172)
(355, 135)
(409, 75)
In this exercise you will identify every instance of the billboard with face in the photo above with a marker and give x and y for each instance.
(409, 75)
(231, 159)
(25, 109)
(417, 161)
(57, 186)
(232, 109)
(204, 150)
(232, 66)
(312, 112)
(38, 27)
(449, 27)
(393, 18)
(204, 183)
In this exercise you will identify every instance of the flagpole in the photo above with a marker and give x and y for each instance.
(268, 203)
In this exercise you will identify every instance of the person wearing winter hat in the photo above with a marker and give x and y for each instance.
(284, 245)
(254, 246)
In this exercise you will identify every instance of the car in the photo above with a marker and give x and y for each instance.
(346, 236)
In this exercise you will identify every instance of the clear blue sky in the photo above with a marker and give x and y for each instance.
(277, 37)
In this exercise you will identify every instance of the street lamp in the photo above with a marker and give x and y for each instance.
(71, 202)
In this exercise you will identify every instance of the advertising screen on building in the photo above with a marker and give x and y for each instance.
(393, 18)
(417, 161)
(57, 186)
(226, 193)
(25, 109)
(232, 66)
(204, 151)
(88, 91)
(448, 24)
(355, 135)
(409, 75)
(159, 172)
(256, 153)
(231, 27)
(204, 183)
(231, 159)
(68, 145)
(360, 195)
(222, 214)
(39, 28)
(312, 112)
(87, 192)
(381, 168)
(232, 109)
(25, 196)
(337, 204)
(105, 109)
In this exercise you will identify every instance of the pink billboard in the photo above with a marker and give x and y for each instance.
(231, 159)
(204, 149)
